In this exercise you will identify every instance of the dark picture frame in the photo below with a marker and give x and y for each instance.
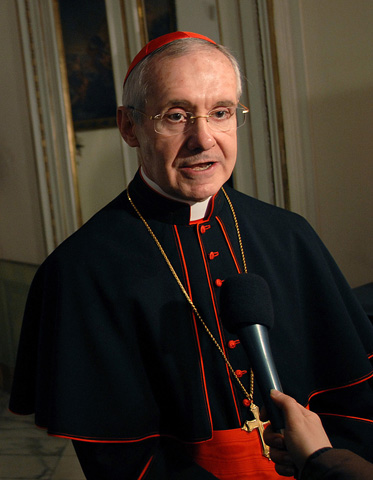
(160, 17)
(88, 63)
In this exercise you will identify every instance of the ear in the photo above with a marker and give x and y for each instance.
(127, 127)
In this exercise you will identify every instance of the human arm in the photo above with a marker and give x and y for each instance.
(304, 447)
(337, 464)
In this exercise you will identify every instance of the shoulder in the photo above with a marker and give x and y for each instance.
(108, 227)
(267, 217)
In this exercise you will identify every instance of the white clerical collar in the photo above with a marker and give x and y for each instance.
(197, 209)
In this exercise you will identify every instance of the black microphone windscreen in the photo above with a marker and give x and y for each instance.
(245, 299)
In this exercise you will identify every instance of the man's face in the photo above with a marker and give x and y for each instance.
(195, 164)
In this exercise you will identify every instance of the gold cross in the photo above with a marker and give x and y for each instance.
(251, 425)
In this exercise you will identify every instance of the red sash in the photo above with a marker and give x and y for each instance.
(234, 455)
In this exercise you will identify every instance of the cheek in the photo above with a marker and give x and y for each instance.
(158, 160)
(229, 148)
(166, 153)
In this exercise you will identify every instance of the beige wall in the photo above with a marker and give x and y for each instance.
(99, 169)
(338, 39)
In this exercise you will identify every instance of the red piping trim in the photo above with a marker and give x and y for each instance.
(346, 416)
(184, 266)
(134, 440)
(99, 440)
(211, 209)
(146, 467)
(213, 298)
(222, 226)
(360, 380)
(21, 414)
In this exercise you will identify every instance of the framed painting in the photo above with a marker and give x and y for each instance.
(88, 62)
(160, 17)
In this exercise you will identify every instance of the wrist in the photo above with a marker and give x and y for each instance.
(310, 458)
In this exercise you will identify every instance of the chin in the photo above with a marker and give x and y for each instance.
(199, 195)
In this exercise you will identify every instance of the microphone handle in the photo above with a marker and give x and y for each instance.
(255, 341)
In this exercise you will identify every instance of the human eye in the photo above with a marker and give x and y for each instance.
(175, 116)
(221, 114)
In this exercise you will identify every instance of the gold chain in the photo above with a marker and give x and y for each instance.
(249, 396)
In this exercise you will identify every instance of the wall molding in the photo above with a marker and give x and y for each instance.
(51, 121)
(290, 51)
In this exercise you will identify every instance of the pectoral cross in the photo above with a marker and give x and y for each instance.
(251, 425)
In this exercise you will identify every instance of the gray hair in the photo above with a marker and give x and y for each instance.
(137, 86)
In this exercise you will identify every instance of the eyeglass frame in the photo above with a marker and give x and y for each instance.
(159, 116)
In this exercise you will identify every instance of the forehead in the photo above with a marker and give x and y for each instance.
(200, 79)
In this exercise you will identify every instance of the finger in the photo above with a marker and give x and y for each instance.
(281, 457)
(263, 414)
(285, 471)
(275, 440)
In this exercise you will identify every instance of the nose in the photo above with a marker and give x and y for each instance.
(200, 136)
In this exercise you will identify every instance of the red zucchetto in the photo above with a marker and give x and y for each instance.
(158, 43)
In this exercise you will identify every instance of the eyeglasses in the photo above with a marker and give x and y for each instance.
(177, 121)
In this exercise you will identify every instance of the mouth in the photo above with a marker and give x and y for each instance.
(198, 167)
(201, 166)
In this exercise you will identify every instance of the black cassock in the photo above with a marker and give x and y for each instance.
(110, 350)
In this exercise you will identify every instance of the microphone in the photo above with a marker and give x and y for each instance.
(246, 310)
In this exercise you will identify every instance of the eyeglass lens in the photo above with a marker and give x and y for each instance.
(165, 127)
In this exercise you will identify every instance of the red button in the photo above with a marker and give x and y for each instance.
(240, 373)
(204, 228)
(219, 282)
(233, 343)
(212, 255)
(246, 402)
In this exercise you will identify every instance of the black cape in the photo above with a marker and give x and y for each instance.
(111, 351)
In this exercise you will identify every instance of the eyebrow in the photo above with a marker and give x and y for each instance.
(186, 104)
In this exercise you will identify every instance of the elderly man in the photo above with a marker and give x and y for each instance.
(123, 349)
